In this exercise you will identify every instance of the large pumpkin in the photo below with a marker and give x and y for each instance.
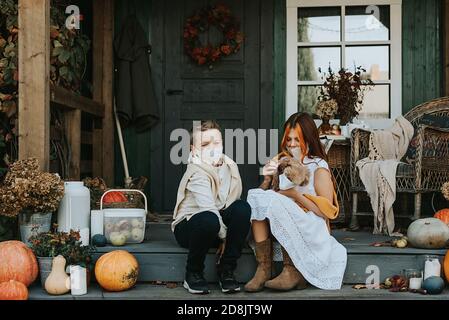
(17, 262)
(114, 196)
(117, 270)
(428, 233)
(13, 290)
(446, 266)
(443, 215)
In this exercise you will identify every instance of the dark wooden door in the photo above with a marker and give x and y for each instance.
(230, 92)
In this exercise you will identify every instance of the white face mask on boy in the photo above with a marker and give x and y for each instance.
(211, 155)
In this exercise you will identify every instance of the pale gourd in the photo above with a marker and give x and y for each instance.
(58, 282)
(428, 233)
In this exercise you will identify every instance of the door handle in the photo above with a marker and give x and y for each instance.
(173, 92)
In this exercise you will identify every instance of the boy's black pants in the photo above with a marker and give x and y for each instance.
(200, 233)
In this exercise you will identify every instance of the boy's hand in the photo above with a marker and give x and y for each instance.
(220, 250)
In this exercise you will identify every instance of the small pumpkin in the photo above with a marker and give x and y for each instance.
(13, 290)
(433, 285)
(17, 262)
(428, 233)
(443, 215)
(99, 240)
(115, 196)
(117, 270)
(58, 282)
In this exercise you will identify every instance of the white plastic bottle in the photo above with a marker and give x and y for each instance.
(74, 209)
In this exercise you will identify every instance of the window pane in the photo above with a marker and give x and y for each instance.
(311, 59)
(362, 26)
(374, 59)
(321, 24)
(307, 98)
(376, 103)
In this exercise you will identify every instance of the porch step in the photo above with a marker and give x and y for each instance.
(161, 259)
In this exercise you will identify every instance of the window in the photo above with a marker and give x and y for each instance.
(345, 34)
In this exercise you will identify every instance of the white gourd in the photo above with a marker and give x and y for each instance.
(428, 233)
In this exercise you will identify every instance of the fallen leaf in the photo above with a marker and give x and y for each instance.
(172, 285)
(359, 286)
(348, 239)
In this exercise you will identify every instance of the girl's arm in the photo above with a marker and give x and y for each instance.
(323, 187)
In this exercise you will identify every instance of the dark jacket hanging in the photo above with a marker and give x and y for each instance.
(135, 98)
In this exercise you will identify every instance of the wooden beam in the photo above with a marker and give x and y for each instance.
(34, 75)
(108, 92)
(103, 70)
(446, 51)
(73, 129)
(71, 101)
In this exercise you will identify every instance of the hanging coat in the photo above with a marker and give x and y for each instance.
(135, 97)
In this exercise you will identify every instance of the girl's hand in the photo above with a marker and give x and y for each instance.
(270, 168)
(291, 193)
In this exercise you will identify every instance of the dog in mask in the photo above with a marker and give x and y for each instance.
(291, 172)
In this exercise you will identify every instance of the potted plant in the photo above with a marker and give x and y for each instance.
(47, 245)
(326, 110)
(347, 89)
(32, 195)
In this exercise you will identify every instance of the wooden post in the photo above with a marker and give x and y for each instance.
(73, 129)
(446, 45)
(34, 75)
(103, 88)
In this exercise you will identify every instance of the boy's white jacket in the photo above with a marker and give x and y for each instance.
(208, 172)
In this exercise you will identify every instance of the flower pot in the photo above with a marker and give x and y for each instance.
(325, 127)
(33, 223)
(45, 265)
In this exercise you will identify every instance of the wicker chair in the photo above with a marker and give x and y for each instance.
(428, 170)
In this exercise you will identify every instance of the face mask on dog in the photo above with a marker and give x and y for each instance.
(285, 183)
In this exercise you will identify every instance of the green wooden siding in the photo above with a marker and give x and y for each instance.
(422, 52)
(138, 145)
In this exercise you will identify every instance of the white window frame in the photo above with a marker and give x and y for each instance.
(395, 43)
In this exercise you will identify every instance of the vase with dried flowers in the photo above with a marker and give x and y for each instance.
(32, 195)
(347, 89)
(326, 110)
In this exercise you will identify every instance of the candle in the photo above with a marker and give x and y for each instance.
(78, 282)
(96, 222)
(415, 283)
(432, 267)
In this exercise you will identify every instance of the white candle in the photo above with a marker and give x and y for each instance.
(78, 282)
(96, 222)
(415, 283)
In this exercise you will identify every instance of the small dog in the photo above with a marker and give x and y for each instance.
(293, 169)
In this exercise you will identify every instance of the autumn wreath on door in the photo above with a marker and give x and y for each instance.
(220, 17)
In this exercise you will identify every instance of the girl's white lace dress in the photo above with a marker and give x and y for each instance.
(304, 235)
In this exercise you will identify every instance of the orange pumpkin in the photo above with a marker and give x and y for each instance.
(117, 270)
(446, 266)
(115, 196)
(13, 290)
(17, 262)
(443, 215)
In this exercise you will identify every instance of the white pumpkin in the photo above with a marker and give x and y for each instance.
(428, 233)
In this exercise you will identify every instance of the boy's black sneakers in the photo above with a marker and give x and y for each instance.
(227, 281)
(195, 283)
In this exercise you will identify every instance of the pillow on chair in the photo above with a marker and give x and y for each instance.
(427, 119)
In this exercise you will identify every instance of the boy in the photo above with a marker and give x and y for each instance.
(208, 207)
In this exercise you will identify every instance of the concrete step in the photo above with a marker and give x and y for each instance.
(161, 259)
(144, 291)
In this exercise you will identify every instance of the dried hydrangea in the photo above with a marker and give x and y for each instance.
(445, 190)
(26, 188)
(326, 108)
